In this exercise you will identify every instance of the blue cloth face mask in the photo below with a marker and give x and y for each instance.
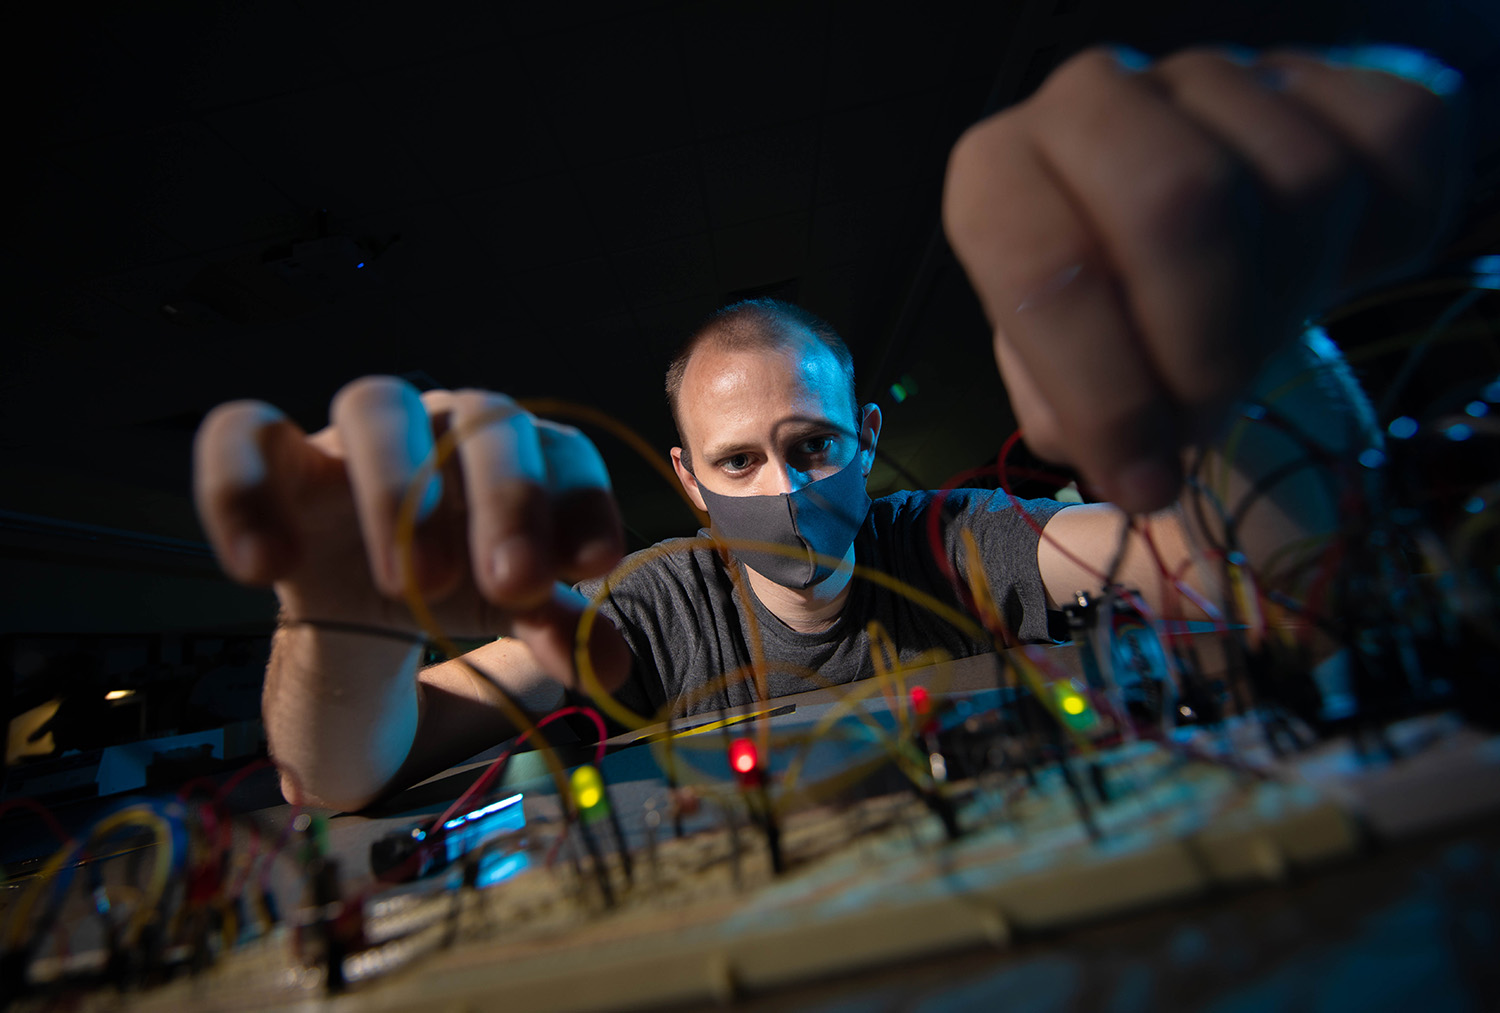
(820, 519)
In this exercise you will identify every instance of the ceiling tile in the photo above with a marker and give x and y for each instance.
(760, 174)
(666, 272)
(665, 327)
(368, 35)
(849, 229)
(876, 54)
(761, 252)
(325, 148)
(751, 65)
(876, 147)
(614, 89)
(184, 180)
(646, 199)
(231, 52)
(70, 227)
(582, 290)
(536, 223)
(472, 120)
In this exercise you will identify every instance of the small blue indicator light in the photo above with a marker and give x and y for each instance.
(1371, 458)
(1476, 409)
(1474, 505)
(1403, 427)
(1458, 432)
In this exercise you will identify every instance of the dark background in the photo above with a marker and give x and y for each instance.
(545, 198)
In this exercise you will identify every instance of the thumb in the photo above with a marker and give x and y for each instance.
(551, 631)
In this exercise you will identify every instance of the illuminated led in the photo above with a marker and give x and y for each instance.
(1492, 392)
(898, 392)
(1073, 703)
(1474, 505)
(1371, 458)
(588, 787)
(359, 265)
(1476, 409)
(1458, 432)
(119, 694)
(743, 756)
(1403, 427)
(921, 700)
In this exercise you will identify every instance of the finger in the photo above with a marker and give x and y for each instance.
(1310, 189)
(1392, 106)
(387, 436)
(1045, 283)
(240, 453)
(551, 631)
(505, 485)
(1177, 212)
(588, 537)
(1042, 431)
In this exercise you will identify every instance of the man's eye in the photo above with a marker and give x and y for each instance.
(739, 462)
(814, 446)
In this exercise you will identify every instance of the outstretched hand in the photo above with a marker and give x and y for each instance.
(1143, 238)
(520, 505)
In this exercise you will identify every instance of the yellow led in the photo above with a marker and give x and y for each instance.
(588, 787)
(1073, 703)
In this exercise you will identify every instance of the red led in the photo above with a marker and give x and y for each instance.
(921, 702)
(743, 757)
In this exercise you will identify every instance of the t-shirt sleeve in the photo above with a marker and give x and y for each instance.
(643, 692)
(1006, 531)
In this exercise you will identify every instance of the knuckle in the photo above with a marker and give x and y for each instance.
(1089, 73)
(1189, 65)
(479, 407)
(972, 165)
(1194, 190)
(367, 392)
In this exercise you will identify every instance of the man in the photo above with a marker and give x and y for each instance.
(1145, 242)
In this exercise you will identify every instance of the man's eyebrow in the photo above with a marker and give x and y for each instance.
(804, 424)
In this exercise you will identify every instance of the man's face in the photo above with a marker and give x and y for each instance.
(766, 421)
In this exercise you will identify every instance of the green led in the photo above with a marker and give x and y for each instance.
(898, 392)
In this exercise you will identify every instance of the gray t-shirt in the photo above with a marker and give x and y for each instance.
(687, 624)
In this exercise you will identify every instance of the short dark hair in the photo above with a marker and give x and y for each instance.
(755, 324)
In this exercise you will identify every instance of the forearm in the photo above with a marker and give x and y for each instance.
(1270, 491)
(350, 718)
(342, 711)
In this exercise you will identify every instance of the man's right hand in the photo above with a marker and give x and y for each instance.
(521, 505)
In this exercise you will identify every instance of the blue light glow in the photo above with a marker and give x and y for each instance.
(1476, 409)
(359, 265)
(898, 392)
(1474, 505)
(1403, 427)
(480, 813)
(1492, 391)
(1458, 432)
(1371, 458)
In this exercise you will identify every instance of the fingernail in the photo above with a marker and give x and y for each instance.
(596, 555)
(1131, 59)
(1145, 485)
(1050, 288)
(1404, 62)
(244, 555)
(511, 564)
